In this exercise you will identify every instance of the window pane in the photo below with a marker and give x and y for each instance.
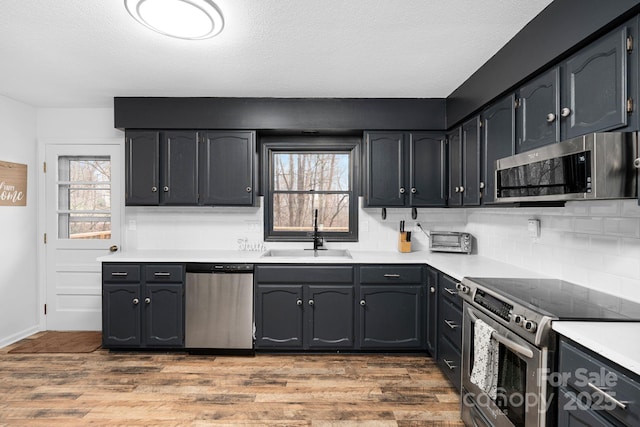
(84, 198)
(311, 171)
(294, 212)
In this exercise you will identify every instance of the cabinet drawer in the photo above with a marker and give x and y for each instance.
(164, 273)
(300, 274)
(448, 290)
(449, 360)
(120, 273)
(389, 274)
(451, 323)
(581, 369)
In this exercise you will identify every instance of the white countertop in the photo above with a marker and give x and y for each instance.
(454, 265)
(616, 341)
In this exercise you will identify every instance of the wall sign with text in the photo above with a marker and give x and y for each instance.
(13, 184)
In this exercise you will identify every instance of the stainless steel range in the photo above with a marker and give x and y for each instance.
(519, 314)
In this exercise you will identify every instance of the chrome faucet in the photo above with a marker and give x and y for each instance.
(317, 240)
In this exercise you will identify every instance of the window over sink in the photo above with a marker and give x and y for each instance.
(302, 174)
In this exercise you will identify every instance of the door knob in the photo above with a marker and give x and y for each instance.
(551, 118)
(135, 301)
(299, 302)
(402, 190)
(413, 190)
(311, 302)
(565, 112)
(166, 189)
(154, 189)
(113, 248)
(363, 302)
(636, 163)
(147, 300)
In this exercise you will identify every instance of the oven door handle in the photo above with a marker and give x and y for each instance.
(511, 345)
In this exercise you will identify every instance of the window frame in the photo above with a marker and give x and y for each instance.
(308, 144)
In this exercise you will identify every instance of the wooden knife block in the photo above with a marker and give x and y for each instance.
(403, 245)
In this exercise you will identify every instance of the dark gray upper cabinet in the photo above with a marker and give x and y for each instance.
(385, 170)
(464, 164)
(471, 143)
(594, 96)
(537, 112)
(142, 162)
(454, 142)
(498, 124)
(179, 157)
(404, 169)
(227, 174)
(427, 169)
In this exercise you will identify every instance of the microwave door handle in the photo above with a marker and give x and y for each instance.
(511, 345)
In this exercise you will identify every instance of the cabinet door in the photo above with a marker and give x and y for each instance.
(391, 317)
(385, 170)
(180, 168)
(142, 160)
(329, 316)
(163, 319)
(499, 133)
(471, 142)
(595, 87)
(121, 315)
(427, 169)
(538, 112)
(572, 413)
(279, 311)
(432, 312)
(227, 168)
(454, 142)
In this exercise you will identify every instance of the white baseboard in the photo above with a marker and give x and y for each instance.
(5, 341)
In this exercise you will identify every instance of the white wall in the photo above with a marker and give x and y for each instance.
(18, 241)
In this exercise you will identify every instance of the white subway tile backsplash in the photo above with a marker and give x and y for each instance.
(604, 208)
(628, 227)
(588, 225)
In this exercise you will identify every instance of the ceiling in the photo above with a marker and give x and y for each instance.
(82, 53)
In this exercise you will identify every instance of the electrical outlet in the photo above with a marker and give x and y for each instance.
(534, 228)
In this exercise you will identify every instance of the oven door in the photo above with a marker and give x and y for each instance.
(521, 398)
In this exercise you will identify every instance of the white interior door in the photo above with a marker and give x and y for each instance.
(82, 221)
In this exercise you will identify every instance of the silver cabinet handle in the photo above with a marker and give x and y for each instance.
(451, 324)
(619, 404)
(154, 189)
(147, 300)
(363, 302)
(119, 274)
(135, 301)
(451, 291)
(298, 301)
(432, 289)
(165, 188)
(482, 185)
(248, 189)
(636, 163)
(449, 364)
(392, 276)
(461, 189)
(565, 112)
(457, 189)
(161, 274)
(551, 118)
(402, 190)
(413, 190)
(311, 302)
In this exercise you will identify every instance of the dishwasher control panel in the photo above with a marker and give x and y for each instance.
(198, 267)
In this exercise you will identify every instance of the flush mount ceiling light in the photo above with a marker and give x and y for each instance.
(183, 19)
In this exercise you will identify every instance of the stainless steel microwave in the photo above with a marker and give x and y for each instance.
(593, 166)
(450, 241)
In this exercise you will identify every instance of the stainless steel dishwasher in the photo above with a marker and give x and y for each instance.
(219, 306)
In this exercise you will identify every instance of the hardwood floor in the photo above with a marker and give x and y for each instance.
(176, 389)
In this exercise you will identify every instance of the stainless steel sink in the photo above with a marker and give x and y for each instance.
(308, 253)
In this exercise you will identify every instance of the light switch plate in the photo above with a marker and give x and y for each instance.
(534, 228)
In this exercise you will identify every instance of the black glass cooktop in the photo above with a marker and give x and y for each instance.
(563, 300)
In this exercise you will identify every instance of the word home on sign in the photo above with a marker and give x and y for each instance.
(13, 184)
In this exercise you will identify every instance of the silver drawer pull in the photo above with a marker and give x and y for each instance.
(619, 404)
(451, 291)
(119, 274)
(449, 364)
(161, 274)
(451, 324)
(393, 276)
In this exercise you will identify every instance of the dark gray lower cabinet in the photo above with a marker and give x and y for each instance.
(432, 312)
(449, 329)
(142, 306)
(304, 307)
(392, 304)
(594, 391)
